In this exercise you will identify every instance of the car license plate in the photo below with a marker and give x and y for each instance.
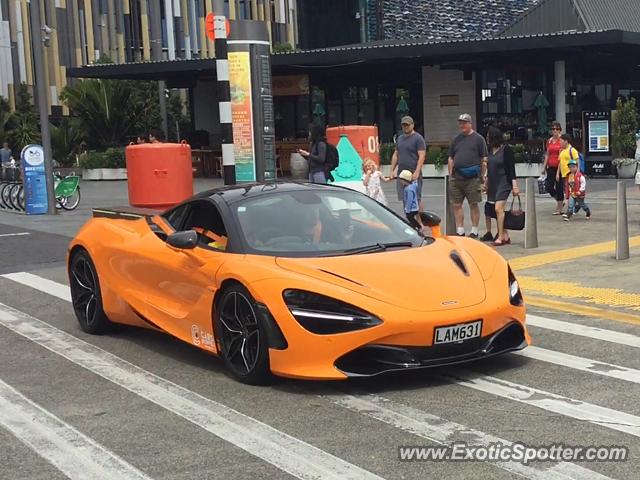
(458, 333)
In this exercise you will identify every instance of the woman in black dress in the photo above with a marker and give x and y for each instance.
(500, 182)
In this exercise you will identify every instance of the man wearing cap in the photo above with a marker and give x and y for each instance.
(409, 155)
(467, 172)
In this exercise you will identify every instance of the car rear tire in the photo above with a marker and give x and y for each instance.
(86, 296)
(241, 337)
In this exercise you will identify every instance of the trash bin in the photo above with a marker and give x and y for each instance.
(160, 174)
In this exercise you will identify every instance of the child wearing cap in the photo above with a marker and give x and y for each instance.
(411, 199)
(575, 190)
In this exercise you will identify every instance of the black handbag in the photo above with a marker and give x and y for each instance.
(514, 217)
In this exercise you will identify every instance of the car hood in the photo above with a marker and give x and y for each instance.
(420, 279)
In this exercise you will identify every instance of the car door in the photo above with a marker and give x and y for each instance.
(179, 284)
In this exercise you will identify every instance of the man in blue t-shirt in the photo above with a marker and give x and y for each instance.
(411, 199)
(410, 154)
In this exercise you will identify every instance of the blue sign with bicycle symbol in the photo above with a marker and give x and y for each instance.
(35, 180)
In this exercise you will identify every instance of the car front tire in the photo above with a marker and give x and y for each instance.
(85, 294)
(241, 337)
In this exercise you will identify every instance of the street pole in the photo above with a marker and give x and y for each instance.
(37, 46)
(224, 93)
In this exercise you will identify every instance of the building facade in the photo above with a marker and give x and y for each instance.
(83, 31)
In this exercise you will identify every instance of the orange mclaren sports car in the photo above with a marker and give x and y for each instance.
(296, 280)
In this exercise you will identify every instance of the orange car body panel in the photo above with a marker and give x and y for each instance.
(146, 283)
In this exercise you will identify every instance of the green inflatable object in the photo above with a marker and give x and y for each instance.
(350, 166)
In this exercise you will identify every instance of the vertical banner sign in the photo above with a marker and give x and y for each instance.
(269, 137)
(597, 142)
(598, 136)
(35, 180)
(242, 114)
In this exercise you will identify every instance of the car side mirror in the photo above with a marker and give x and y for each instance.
(430, 219)
(186, 240)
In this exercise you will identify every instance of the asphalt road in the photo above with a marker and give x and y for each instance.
(137, 404)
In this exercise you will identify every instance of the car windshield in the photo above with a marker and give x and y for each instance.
(317, 222)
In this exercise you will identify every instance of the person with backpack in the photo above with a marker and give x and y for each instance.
(322, 156)
(567, 153)
(410, 153)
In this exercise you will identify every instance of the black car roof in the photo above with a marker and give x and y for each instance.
(233, 193)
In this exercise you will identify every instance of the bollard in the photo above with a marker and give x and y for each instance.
(622, 227)
(530, 219)
(449, 217)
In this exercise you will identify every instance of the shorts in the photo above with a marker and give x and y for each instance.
(400, 189)
(461, 188)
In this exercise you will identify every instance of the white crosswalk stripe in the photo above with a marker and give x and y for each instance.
(584, 331)
(19, 234)
(71, 452)
(280, 447)
(606, 417)
(289, 454)
(43, 284)
(444, 432)
(580, 363)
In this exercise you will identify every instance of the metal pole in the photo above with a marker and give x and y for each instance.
(37, 45)
(449, 217)
(224, 94)
(162, 102)
(530, 219)
(622, 227)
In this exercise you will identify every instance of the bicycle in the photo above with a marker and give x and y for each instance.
(67, 191)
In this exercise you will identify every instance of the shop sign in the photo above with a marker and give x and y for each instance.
(290, 85)
(242, 116)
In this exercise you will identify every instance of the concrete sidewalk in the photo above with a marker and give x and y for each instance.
(574, 264)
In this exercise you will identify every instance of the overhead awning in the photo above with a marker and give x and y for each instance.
(185, 73)
(177, 73)
(395, 50)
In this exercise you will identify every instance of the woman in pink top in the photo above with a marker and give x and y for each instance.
(555, 187)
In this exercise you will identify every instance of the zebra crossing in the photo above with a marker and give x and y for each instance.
(306, 430)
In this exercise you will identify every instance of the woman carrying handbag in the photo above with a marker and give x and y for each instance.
(500, 183)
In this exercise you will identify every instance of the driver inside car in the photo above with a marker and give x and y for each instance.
(312, 227)
(213, 240)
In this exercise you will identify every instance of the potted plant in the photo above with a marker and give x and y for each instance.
(623, 137)
(436, 162)
(107, 165)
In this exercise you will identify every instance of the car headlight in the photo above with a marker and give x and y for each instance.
(324, 315)
(515, 294)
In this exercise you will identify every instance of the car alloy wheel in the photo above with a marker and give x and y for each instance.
(85, 294)
(241, 337)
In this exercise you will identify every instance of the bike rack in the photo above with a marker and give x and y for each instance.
(12, 196)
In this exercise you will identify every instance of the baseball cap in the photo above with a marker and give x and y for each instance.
(573, 162)
(406, 175)
(406, 120)
(465, 117)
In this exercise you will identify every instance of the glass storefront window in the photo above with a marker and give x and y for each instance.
(350, 101)
(285, 117)
(508, 99)
(366, 115)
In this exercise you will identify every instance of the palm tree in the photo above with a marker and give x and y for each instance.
(109, 110)
(66, 141)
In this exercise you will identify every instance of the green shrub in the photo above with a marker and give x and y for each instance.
(386, 152)
(111, 158)
(437, 157)
(282, 47)
(624, 127)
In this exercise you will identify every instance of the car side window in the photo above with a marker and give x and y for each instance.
(176, 216)
(205, 218)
